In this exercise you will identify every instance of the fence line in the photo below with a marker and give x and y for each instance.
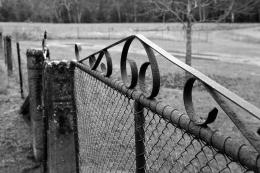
(9, 64)
(221, 143)
(96, 123)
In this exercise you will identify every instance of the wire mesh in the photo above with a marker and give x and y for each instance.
(171, 149)
(106, 136)
(105, 126)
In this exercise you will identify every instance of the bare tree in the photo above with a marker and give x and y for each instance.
(191, 11)
(73, 9)
(117, 4)
(79, 6)
(245, 7)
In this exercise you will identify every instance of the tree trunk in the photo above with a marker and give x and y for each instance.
(135, 12)
(118, 13)
(188, 35)
(188, 43)
(79, 15)
(204, 10)
(232, 17)
(200, 12)
(188, 38)
(164, 17)
(69, 16)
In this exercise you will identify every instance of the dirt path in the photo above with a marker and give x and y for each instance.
(15, 137)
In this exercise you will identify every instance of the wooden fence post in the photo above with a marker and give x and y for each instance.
(35, 67)
(59, 108)
(139, 137)
(8, 54)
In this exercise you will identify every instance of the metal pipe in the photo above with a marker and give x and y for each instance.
(139, 137)
(20, 69)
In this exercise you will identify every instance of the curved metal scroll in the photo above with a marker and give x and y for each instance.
(45, 49)
(136, 77)
(94, 63)
(152, 63)
(243, 126)
(77, 50)
(187, 98)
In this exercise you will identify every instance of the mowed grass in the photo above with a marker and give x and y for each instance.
(173, 31)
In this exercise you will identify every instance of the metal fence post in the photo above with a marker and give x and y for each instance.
(35, 66)
(139, 137)
(4, 49)
(8, 54)
(20, 69)
(59, 108)
(1, 43)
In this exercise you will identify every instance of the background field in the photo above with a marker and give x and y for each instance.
(228, 53)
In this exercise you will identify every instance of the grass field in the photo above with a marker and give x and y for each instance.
(114, 30)
(228, 53)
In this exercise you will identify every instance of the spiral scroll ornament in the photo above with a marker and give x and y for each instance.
(220, 94)
(142, 72)
(77, 51)
(188, 103)
(45, 49)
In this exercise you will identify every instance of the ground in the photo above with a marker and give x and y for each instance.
(15, 136)
(229, 54)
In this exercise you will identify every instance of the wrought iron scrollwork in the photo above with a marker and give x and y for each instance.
(244, 127)
(219, 93)
(77, 51)
(95, 63)
(45, 49)
(136, 77)
(142, 72)
(188, 103)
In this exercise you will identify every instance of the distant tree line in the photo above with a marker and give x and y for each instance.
(87, 11)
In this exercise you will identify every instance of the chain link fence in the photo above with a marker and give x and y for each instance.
(105, 126)
(93, 122)
(106, 131)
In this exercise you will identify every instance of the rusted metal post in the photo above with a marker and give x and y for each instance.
(4, 50)
(8, 54)
(35, 67)
(1, 44)
(20, 69)
(139, 137)
(59, 108)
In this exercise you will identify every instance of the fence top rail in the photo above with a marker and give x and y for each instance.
(220, 94)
